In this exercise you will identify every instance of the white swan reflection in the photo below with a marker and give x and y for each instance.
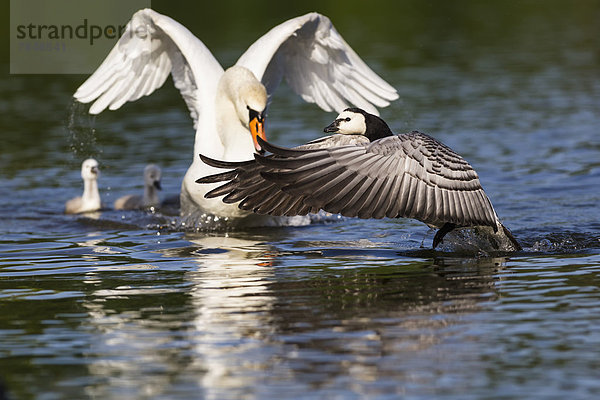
(204, 325)
(233, 304)
(225, 314)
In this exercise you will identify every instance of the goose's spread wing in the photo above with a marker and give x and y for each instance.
(152, 46)
(247, 185)
(410, 175)
(335, 140)
(317, 64)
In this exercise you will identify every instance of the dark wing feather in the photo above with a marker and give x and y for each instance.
(246, 184)
(410, 175)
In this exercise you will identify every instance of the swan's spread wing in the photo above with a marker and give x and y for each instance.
(410, 175)
(152, 46)
(318, 64)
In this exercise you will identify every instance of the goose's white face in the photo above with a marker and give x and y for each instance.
(89, 169)
(348, 123)
(152, 175)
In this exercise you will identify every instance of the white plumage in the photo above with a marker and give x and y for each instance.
(90, 199)
(307, 51)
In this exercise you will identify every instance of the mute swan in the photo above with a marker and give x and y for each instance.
(90, 200)
(228, 107)
(152, 175)
(364, 171)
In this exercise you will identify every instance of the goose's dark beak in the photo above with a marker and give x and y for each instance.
(157, 185)
(257, 128)
(333, 127)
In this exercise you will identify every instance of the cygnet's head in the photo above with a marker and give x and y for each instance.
(152, 175)
(89, 169)
(249, 97)
(354, 121)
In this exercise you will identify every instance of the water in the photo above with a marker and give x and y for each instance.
(129, 305)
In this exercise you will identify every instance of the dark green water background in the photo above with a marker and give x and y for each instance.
(127, 306)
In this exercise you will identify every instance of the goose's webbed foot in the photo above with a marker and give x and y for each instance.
(439, 236)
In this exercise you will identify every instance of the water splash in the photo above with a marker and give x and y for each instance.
(481, 240)
(81, 132)
(565, 242)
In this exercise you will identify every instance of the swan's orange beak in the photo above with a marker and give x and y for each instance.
(257, 128)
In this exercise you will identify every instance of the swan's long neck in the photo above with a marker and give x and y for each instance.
(221, 133)
(150, 196)
(234, 136)
(91, 195)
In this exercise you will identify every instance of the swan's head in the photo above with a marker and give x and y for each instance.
(354, 121)
(90, 170)
(152, 175)
(249, 97)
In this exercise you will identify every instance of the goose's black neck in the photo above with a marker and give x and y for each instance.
(376, 128)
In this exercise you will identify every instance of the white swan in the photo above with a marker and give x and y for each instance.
(226, 105)
(90, 200)
(152, 175)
